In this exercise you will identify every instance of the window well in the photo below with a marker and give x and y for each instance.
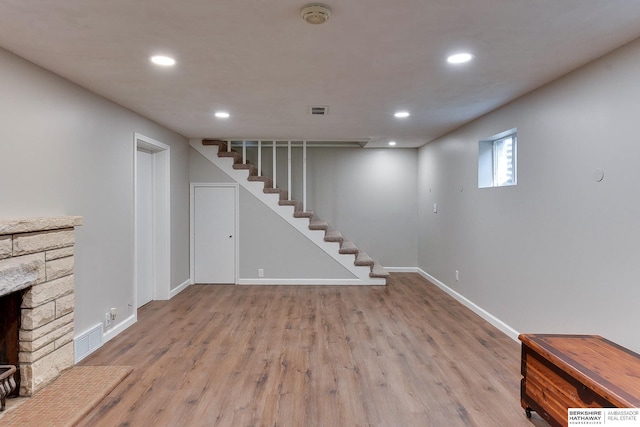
(497, 160)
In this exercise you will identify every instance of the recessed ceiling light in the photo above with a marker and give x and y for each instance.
(402, 114)
(460, 58)
(165, 61)
(222, 115)
(392, 143)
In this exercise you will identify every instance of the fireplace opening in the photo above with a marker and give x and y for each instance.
(9, 330)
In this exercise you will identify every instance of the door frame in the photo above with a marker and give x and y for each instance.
(161, 217)
(236, 212)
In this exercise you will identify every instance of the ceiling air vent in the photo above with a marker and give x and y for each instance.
(318, 110)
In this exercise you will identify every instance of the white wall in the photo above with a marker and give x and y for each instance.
(66, 151)
(559, 252)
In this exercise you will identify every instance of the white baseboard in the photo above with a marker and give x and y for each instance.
(330, 282)
(402, 269)
(506, 329)
(112, 332)
(88, 342)
(175, 291)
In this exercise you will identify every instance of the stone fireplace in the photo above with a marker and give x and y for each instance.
(36, 270)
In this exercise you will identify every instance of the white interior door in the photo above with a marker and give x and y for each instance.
(144, 227)
(214, 234)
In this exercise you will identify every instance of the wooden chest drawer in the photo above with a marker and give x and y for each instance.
(561, 372)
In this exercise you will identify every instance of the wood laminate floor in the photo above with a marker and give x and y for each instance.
(402, 355)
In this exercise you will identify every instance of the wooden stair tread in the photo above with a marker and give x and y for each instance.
(283, 194)
(378, 271)
(364, 260)
(298, 212)
(253, 171)
(243, 166)
(318, 224)
(221, 144)
(333, 236)
(303, 214)
(260, 178)
(348, 247)
(268, 182)
(237, 157)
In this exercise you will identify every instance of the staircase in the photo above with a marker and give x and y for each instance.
(368, 271)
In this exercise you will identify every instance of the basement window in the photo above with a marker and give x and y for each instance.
(497, 160)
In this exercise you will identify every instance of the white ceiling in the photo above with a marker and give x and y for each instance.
(261, 62)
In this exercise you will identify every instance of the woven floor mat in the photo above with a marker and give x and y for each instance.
(68, 399)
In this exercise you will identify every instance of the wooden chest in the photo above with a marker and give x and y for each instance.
(576, 371)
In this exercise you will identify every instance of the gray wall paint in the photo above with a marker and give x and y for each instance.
(370, 196)
(558, 253)
(266, 240)
(66, 151)
(202, 170)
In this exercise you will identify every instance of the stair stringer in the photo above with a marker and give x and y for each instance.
(271, 200)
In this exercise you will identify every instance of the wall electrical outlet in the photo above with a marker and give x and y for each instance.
(114, 313)
(107, 319)
(261, 272)
(435, 208)
(457, 276)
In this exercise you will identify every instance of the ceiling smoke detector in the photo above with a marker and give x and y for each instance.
(315, 13)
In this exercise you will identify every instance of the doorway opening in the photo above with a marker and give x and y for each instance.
(152, 209)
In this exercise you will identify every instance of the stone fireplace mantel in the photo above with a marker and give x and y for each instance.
(37, 259)
(20, 237)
